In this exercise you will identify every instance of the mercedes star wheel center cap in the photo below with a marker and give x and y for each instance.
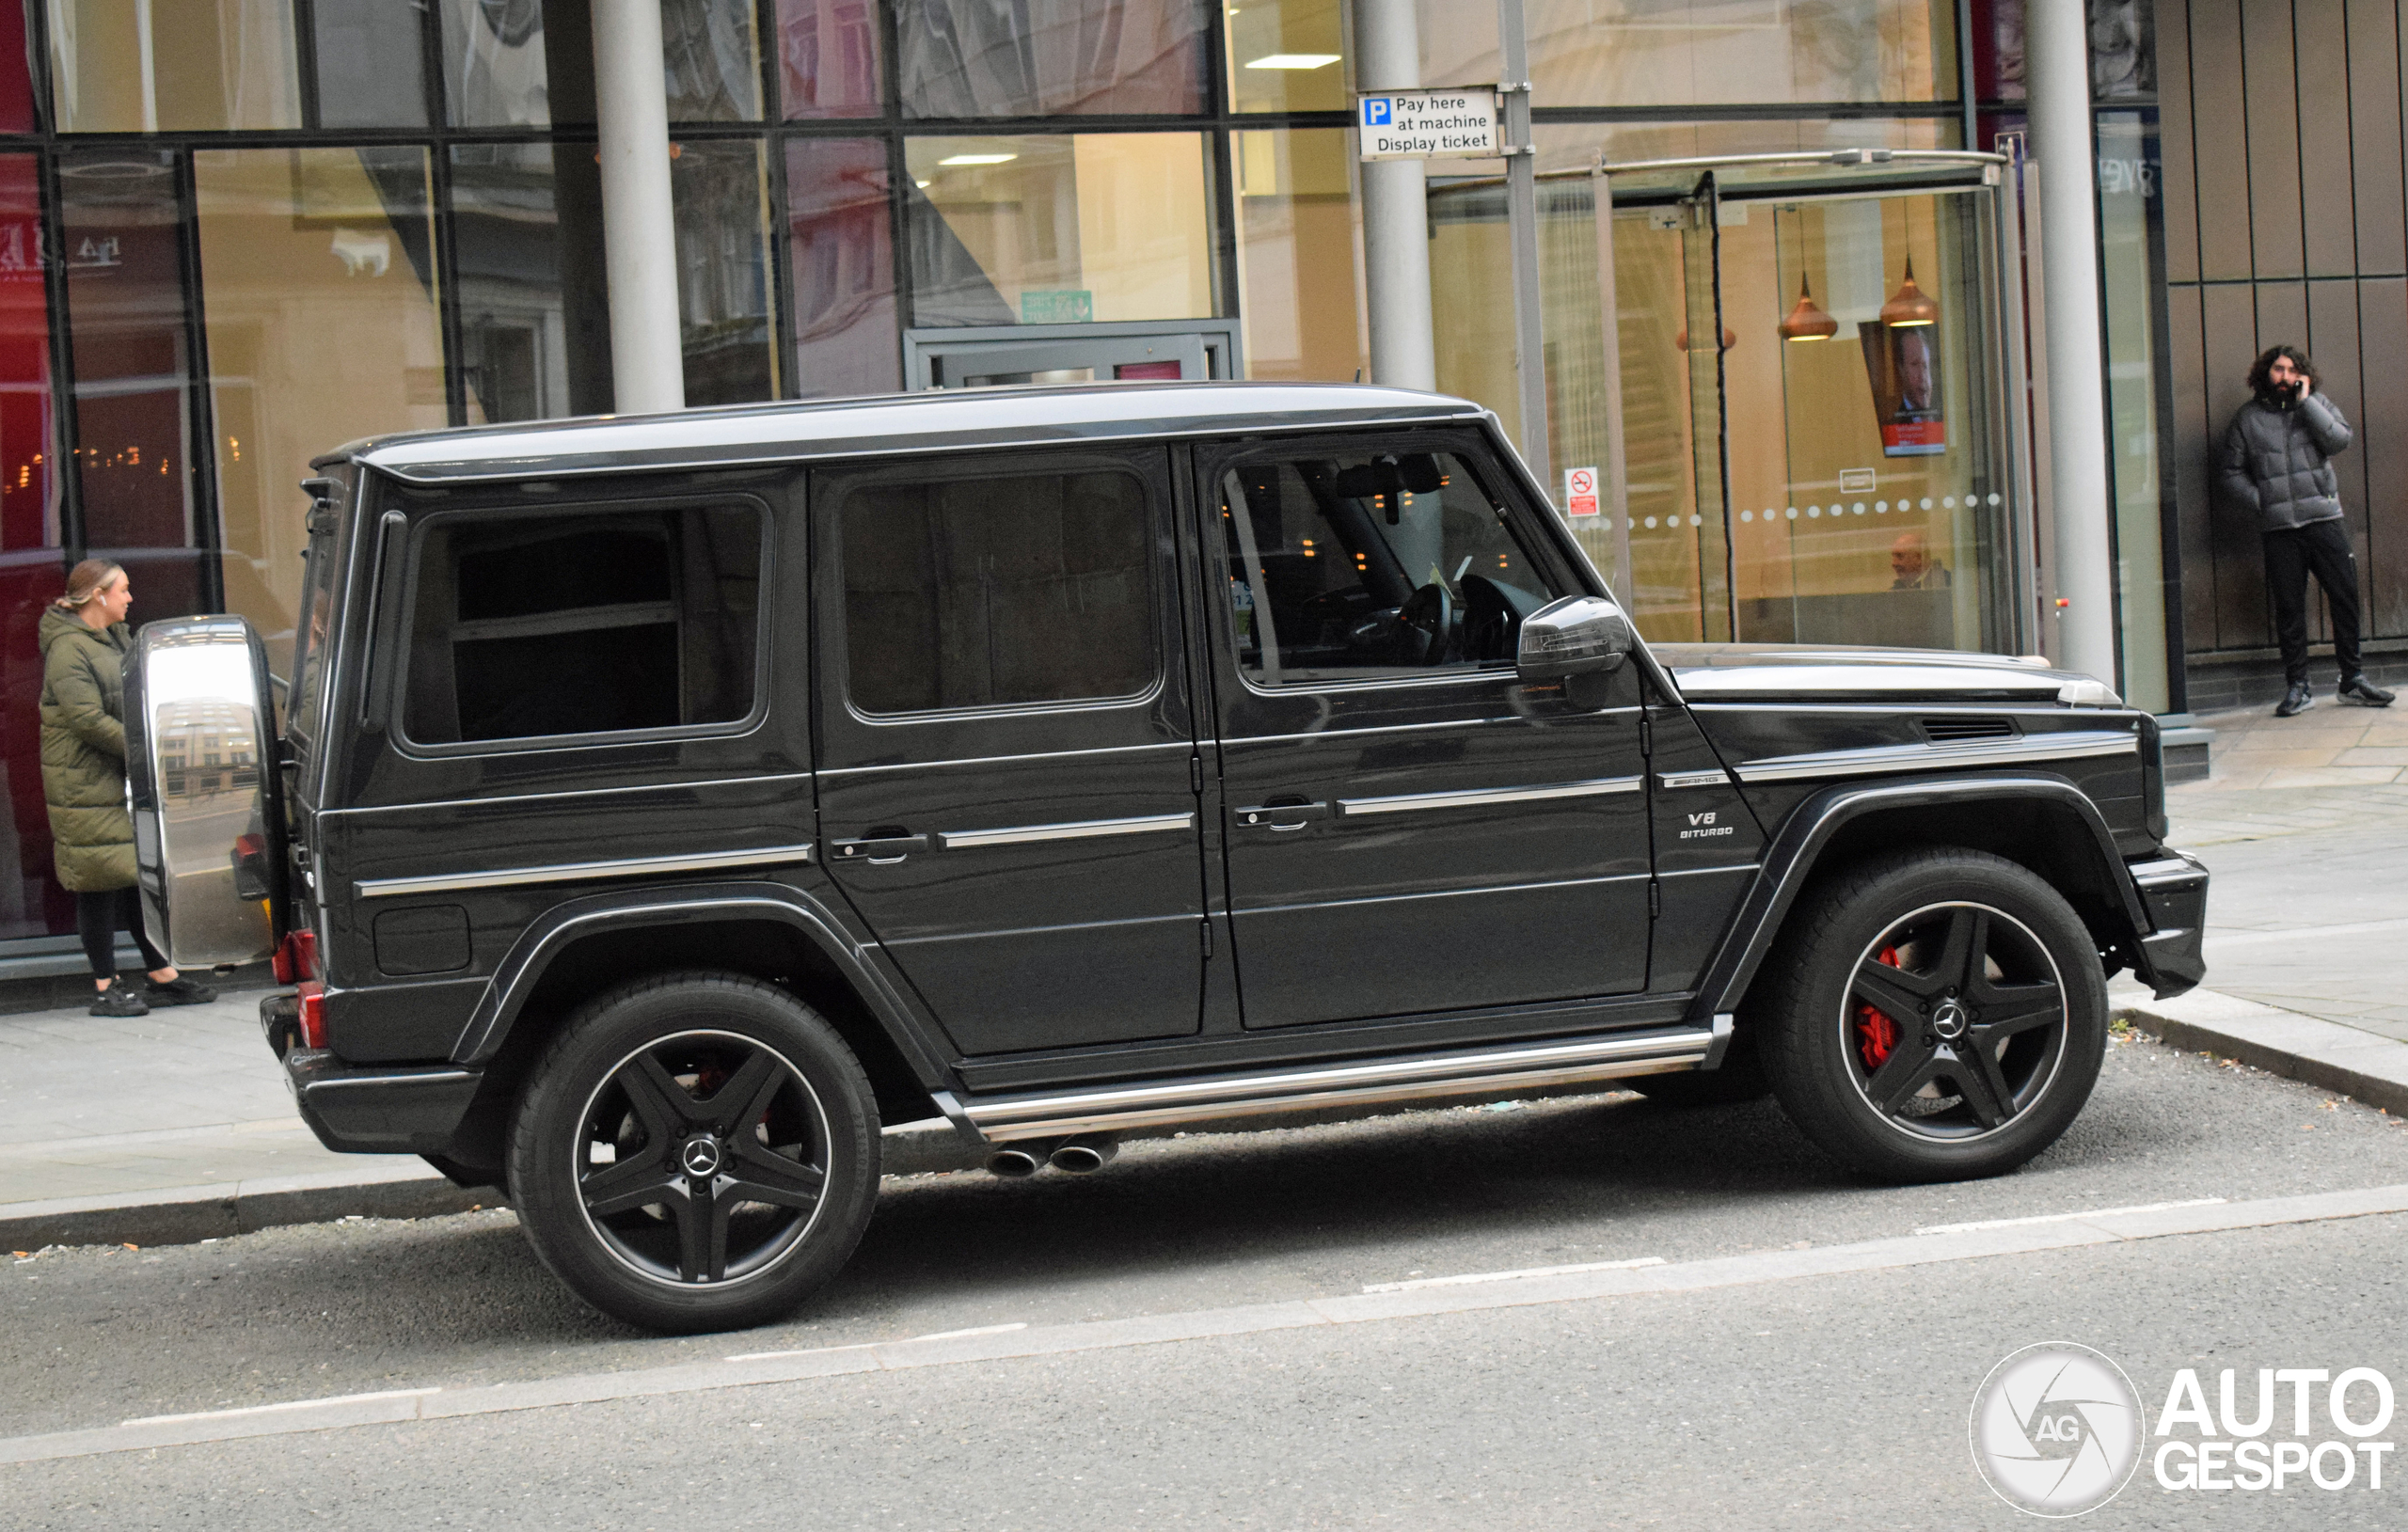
(700, 1157)
(1949, 1020)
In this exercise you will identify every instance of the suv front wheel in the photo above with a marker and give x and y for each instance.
(1934, 1015)
(695, 1152)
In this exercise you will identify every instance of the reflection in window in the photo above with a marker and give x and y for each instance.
(722, 200)
(121, 227)
(15, 73)
(371, 64)
(137, 66)
(32, 564)
(1286, 55)
(534, 310)
(1057, 230)
(843, 265)
(828, 57)
(713, 60)
(494, 65)
(533, 626)
(1668, 53)
(318, 285)
(1296, 268)
(1346, 563)
(998, 589)
(962, 58)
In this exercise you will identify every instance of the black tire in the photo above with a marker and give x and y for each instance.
(1969, 957)
(741, 1107)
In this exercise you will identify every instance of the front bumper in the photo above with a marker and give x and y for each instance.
(2174, 890)
(381, 1110)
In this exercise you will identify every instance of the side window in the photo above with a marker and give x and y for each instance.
(581, 622)
(996, 590)
(1359, 562)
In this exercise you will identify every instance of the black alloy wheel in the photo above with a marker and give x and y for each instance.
(1936, 1015)
(695, 1152)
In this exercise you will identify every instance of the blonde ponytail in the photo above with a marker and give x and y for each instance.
(87, 580)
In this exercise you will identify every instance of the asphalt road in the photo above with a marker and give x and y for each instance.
(1808, 1402)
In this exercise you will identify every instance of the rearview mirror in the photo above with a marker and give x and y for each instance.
(1579, 635)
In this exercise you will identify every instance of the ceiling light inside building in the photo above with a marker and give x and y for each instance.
(1292, 61)
(979, 159)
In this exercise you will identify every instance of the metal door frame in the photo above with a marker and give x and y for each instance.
(927, 353)
(2002, 318)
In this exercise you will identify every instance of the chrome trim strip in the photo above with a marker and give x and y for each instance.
(388, 888)
(1475, 796)
(1352, 1085)
(955, 839)
(1674, 781)
(1186, 746)
(1500, 719)
(2027, 751)
(766, 779)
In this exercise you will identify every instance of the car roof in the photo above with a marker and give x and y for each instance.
(939, 420)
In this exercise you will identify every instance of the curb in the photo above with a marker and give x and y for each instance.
(2327, 1054)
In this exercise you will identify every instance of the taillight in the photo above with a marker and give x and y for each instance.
(314, 1014)
(296, 959)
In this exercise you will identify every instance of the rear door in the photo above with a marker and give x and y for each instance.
(1410, 828)
(1007, 760)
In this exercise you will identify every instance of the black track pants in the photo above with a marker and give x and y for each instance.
(99, 917)
(2322, 547)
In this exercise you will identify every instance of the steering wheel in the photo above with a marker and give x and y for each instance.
(1425, 627)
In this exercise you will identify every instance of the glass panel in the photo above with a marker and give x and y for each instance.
(722, 199)
(535, 308)
(828, 58)
(843, 267)
(313, 261)
(1870, 516)
(2128, 179)
(32, 565)
(121, 227)
(1287, 56)
(144, 65)
(371, 64)
(2123, 49)
(1060, 230)
(1302, 298)
(995, 591)
(1706, 338)
(713, 58)
(1050, 57)
(1364, 563)
(634, 619)
(15, 73)
(495, 69)
(1678, 53)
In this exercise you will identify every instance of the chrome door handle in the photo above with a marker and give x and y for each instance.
(877, 850)
(1280, 816)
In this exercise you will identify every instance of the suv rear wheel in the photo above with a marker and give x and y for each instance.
(695, 1152)
(1934, 1015)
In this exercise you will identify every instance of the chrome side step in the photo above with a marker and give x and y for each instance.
(1523, 1065)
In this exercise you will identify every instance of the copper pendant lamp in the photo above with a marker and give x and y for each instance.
(1681, 338)
(1808, 321)
(1909, 305)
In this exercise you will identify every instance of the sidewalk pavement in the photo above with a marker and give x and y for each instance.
(175, 1126)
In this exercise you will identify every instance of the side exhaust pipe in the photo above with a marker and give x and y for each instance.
(1086, 1154)
(1018, 1162)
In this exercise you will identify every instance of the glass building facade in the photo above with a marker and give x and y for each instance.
(236, 233)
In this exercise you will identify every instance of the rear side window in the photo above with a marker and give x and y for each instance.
(583, 623)
(997, 591)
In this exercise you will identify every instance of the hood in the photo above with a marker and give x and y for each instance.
(56, 625)
(1791, 673)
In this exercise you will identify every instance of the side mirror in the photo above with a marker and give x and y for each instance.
(1576, 636)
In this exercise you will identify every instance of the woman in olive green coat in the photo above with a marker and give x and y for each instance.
(84, 643)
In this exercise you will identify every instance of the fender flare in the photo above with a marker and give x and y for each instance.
(691, 904)
(1791, 859)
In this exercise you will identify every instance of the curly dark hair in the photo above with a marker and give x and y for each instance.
(2265, 364)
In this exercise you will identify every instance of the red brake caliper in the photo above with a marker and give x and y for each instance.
(1876, 1034)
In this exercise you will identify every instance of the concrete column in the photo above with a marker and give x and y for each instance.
(2056, 77)
(640, 246)
(1396, 210)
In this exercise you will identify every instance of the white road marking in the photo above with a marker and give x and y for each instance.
(816, 1351)
(1468, 1278)
(2066, 1218)
(2113, 1227)
(982, 1329)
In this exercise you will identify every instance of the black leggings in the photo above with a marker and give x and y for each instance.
(99, 917)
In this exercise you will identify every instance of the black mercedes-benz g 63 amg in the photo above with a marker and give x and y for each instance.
(661, 804)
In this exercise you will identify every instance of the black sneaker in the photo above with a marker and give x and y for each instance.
(118, 998)
(2295, 702)
(179, 990)
(2358, 689)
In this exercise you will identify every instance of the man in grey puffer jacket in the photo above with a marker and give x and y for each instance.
(2276, 462)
